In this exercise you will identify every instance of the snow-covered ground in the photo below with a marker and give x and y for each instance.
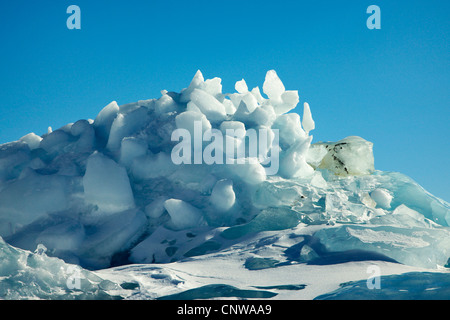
(266, 278)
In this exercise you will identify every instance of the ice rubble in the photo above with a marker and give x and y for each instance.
(106, 192)
(27, 275)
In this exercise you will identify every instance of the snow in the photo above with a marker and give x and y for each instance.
(208, 194)
(285, 280)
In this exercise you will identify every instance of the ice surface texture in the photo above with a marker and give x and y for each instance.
(106, 192)
(27, 275)
(408, 286)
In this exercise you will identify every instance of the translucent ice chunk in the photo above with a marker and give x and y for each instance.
(236, 128)
(165, 104)
(250, 172)
(85, 134)
(153, 166)
(382, 197)
(213, 87)
(241, 86)
(273, 87)
(223, 196)
(268, 220)
(41, 249)
(405, 245)
(32, 197)
(66, 236)
(51, 278)
(308, 122)
(293, 161)
(32, 140)
(290, 129)
(208, 105)
(195, 83)
(229, 107)
(106, 184)
(14, 156)
(104, 120)
(55, 141)
(289, 100)
(187, 120)
(349, 156)
(257, 94)
(110, 234)
(125, 125)
(182, 214)
(131, 149)
(263, 115)
(156, 208)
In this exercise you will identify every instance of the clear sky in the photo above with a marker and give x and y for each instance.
(389, 86)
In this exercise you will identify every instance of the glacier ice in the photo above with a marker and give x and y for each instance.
(128, 187)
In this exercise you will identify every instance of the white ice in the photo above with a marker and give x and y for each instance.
(106, 184)
(182, 214)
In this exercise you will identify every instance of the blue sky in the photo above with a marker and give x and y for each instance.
(389, 86)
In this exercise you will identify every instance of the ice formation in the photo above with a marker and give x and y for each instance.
(153, 182)
(27, 275)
